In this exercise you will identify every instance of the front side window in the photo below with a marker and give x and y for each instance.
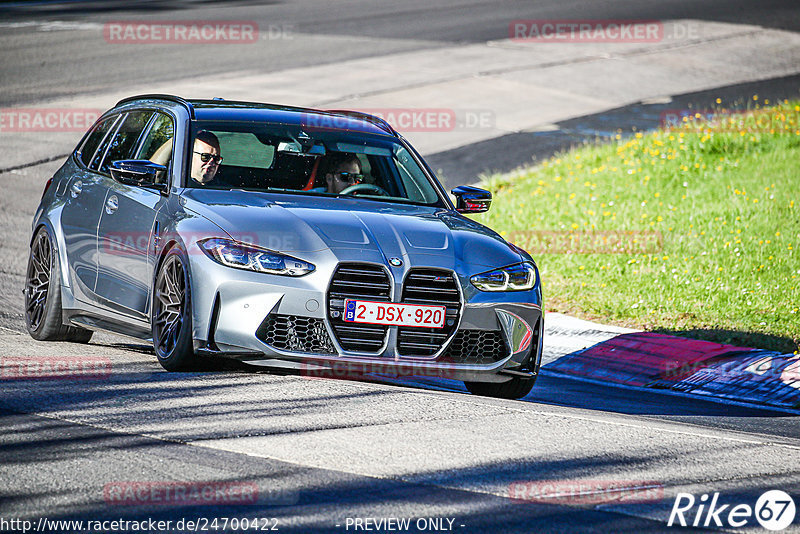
(126, 138)
(306, 161)
(159, 141)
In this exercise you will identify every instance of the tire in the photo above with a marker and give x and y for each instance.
(43, 314)
(171, 316)
(516, 388)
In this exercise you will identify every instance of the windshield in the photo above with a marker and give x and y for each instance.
(290, 159)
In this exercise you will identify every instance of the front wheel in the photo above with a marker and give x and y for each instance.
(171, 318)
(516, 388)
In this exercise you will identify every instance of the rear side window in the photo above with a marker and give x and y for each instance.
(101, 149)
(93, 141)
(125, 140)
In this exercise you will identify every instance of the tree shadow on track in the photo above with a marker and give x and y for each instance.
(509, 152)
(302, 498)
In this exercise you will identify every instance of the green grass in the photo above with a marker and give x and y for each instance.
(717, 207)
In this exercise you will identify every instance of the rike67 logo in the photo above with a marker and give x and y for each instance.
(774, 510)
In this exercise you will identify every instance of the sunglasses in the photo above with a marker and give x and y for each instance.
(205, 156)
(350, 177)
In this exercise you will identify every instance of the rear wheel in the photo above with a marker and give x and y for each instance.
(43, 315)
(516, 388)
(171, 316)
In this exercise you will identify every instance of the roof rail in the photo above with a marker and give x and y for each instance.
(170, 98)
(377, 121)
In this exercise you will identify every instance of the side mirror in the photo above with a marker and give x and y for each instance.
(139, 172)
(471, 199)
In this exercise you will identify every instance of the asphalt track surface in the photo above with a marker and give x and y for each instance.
(323, 451)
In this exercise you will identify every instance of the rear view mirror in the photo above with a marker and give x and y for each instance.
(139, 172)
(471, 199)
(298, 149)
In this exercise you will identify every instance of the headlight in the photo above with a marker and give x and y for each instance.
(252, 258)
(519, 277)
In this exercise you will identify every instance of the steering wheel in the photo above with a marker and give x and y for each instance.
(356, 188)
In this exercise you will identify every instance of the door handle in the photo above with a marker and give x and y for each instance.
(156, 237)
(112, 204)
(75, 190)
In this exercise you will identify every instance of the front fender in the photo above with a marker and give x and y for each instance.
(185, 230)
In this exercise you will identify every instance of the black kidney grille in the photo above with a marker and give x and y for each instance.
(295, 333)
(364, 282)
(476, 347)
(430, 287)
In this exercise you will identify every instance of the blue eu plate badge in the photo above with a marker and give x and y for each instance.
(350, 310)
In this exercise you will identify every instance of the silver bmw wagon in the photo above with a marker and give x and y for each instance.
(300, 239)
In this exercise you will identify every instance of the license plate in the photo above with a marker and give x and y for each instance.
(390, 313)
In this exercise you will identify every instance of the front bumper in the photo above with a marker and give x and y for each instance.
(232, 310)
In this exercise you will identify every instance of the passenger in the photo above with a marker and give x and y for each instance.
(341, 170)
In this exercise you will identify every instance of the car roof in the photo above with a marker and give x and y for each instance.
(230, 110)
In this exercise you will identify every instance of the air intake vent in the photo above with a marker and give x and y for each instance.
(364, 282)
(431, 287)
(295, 333)
(476, 346)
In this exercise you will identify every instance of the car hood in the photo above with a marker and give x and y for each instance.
(352, 228)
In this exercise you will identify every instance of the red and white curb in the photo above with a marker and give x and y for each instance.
(630, 358)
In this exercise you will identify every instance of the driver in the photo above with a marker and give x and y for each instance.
(343, 170)
(205, 159)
